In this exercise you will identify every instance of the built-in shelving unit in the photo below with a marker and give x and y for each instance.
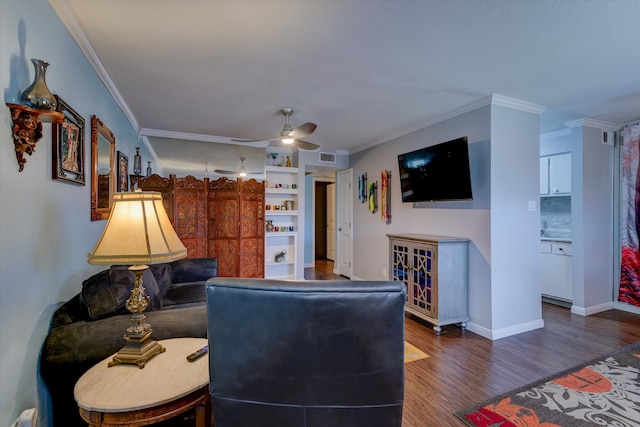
(281, 210)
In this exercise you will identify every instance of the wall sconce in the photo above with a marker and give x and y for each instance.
(37, 105)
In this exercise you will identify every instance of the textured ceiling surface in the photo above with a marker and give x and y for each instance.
(363, 71)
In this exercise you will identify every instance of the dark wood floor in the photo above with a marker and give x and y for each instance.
(465, 368)
(323, 270)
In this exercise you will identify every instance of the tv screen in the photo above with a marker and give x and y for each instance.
(436, 173)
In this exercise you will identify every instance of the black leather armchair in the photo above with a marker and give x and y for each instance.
(306, 353)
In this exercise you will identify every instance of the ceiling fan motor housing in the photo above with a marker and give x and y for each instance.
(287, 129)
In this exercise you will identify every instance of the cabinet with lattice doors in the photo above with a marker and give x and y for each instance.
(434, 271)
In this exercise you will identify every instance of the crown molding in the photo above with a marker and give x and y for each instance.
(590, 123)
(71, 22)
(493, 99)
(516, 104)
(421, 125)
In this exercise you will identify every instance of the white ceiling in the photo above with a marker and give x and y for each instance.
(363, 71)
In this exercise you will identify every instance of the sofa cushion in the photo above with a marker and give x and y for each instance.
(163, 276)
(105, 294)
(194, 270)
(185, 293)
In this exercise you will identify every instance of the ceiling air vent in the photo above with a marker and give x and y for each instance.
(327, 157)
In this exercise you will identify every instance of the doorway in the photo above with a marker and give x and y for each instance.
(323, 220)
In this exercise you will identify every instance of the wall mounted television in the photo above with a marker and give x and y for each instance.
(436, 173)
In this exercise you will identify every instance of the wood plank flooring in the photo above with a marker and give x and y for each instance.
(465, 368)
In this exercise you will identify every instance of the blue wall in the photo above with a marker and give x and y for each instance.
(45, 227)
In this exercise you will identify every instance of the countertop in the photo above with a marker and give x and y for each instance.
(555, 239)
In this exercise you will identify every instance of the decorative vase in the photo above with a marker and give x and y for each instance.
(148, 169)
(269, 226)
(137, 162)
(38, 95)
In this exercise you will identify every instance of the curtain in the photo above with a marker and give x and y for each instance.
(630, 222)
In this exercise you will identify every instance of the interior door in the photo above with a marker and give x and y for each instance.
(344, 220)
(331, 222)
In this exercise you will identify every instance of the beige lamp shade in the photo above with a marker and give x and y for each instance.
(138, 231)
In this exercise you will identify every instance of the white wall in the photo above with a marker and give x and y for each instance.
(515, 234)
(310, 163)
(592, 216)
(45, 227)
(504, 295)
(457, 219)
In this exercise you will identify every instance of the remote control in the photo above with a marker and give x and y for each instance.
(193, 356)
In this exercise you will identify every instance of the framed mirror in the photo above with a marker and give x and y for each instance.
(103, 152)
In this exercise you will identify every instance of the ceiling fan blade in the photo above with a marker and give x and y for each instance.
(303, 130)
(298, 143)
(305, 145)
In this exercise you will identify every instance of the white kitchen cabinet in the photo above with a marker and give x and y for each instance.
(544, 175)
(555, 174)
(556, 277)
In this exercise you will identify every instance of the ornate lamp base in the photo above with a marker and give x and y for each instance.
(139, 347)
(137, 351)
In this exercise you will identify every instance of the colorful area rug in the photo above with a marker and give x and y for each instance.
(603, 392)
(411, 353)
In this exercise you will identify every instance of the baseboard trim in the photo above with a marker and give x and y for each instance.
(496, 334)
(588, 311)
(623, 306)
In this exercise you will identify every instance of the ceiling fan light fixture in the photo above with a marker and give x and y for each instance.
(242, 171)
(289, 135)
(286, 129)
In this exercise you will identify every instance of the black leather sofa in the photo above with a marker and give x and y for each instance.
(90, 327)
(306, 353)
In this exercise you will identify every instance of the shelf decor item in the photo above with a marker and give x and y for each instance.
(137, 162)
(269, 226)
(38, 95)
(37, 105)
(149, 171)
(281, 256)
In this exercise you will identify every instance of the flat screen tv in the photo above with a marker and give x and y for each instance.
(436, 173)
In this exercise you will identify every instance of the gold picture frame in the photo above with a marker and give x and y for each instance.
(68, 145)
(123, 173)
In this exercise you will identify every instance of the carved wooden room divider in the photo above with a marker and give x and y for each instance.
(221, 218)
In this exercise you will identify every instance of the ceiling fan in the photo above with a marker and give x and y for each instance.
(289, 135)
(241, 172)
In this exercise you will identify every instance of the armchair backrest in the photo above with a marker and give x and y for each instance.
(306, 353)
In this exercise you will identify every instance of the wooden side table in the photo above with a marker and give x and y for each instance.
(169, 385)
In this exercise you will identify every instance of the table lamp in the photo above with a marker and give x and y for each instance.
(138, 232)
